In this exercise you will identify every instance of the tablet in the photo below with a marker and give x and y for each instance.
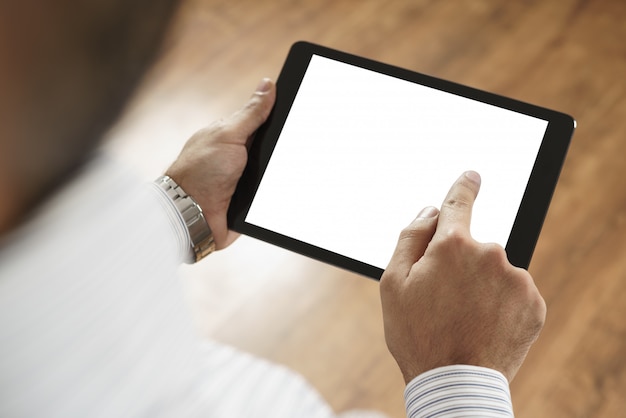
(355, 148)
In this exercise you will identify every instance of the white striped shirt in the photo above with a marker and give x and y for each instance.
(92, 322)
(458, 391)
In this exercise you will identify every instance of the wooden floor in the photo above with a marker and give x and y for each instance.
(326, 323)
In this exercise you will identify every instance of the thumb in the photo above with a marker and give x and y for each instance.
(256, 110)
(412, 243)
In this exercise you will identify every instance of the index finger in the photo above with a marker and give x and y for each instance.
(456, 210)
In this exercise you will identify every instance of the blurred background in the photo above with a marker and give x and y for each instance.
(325, 323)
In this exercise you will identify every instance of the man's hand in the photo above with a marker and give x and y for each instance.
(212, 161)
(448, 299)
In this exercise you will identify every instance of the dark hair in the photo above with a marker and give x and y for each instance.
(84, 62)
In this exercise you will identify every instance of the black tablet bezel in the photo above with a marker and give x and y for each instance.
(535, 202)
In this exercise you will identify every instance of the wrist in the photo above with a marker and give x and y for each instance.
(200, 234)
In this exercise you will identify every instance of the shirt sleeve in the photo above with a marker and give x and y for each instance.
(455, 391)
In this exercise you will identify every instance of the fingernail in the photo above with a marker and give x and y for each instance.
(473, 176)
(264, 86)
(428, 212)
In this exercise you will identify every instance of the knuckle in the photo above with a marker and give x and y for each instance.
(462, 194)
(455, 237)
(457, 203)
(413, 231)
(540, 310)
(408, 233)
(254, 102)
(253, 109)
(534, 317)
(388, 284)
(531, 298)
(465, 186)
(535, 301)
(495, 255)
(386, 281)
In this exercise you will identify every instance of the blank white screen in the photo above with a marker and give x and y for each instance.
(361, 153)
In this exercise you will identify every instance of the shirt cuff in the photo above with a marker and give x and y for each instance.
(460, 390)
(179, 228)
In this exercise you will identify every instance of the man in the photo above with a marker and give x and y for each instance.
(90, 324)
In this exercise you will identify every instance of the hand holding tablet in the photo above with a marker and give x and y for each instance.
(354, 148)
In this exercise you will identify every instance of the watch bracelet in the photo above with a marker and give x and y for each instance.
(199, 231)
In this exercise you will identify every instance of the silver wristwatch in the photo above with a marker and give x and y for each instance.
(199, 230)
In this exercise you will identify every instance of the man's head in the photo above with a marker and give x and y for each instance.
(66, 69)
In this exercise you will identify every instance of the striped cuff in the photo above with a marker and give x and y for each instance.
(455, 391)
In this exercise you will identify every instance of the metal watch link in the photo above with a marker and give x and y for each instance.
(199, 230)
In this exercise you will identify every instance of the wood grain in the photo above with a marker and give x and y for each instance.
(326, 323)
